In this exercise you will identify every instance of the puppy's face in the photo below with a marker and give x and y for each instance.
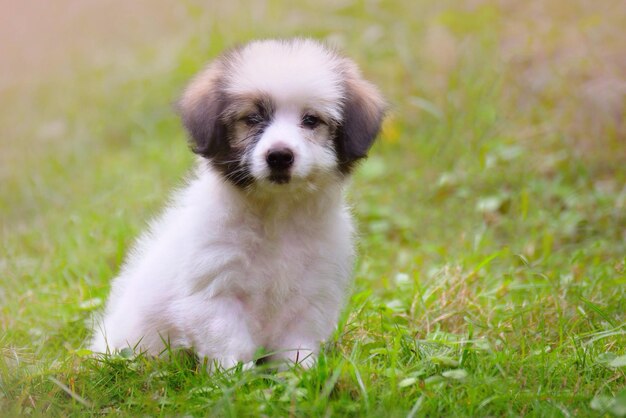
(281, 112)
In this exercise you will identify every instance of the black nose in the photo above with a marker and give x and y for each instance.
(279, 158)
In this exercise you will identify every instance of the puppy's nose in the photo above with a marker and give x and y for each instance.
(279, 158)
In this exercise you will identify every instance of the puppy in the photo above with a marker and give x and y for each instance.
(257, 250)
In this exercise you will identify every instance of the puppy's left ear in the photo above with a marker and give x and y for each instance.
(364, 110)
(200, 109)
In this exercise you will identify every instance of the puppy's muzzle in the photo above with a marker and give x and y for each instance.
(279, 160)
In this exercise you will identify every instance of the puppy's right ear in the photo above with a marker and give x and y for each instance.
(364, 110)
(200, 109)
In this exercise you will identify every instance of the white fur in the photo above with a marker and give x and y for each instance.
(227, 275)
(225, 271)
(301, 72)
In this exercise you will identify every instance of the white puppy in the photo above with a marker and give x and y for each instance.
(257, 250)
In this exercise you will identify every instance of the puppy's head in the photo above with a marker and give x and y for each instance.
(278, 112)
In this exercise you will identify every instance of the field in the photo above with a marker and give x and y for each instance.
(491, 278)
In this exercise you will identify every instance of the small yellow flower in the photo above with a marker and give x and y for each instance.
(390, 131)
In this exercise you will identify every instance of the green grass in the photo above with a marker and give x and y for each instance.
(491, 279)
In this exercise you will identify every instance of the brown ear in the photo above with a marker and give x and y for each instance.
(364, 109)
(200, 108)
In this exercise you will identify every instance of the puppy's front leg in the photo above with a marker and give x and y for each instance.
(301, 339)
(297, 349)
(220, 331)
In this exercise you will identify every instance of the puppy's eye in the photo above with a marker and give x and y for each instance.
(253, 119)
(310, 121)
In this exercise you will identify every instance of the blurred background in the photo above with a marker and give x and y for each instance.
(506, 126)
(79, 78)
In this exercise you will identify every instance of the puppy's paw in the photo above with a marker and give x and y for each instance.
(305, 358)
(288, 359)
(226, 365)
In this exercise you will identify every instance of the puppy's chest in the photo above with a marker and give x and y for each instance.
(273, 265)
(279, 263)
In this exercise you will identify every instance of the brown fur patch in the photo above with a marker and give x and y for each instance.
(202, 110)
(364, 110)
